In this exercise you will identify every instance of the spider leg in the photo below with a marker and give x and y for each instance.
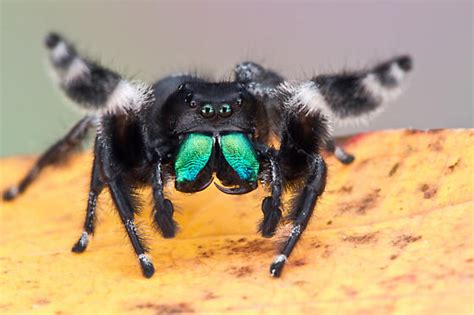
(271, 206)
(302, 210)
(57, 153)
(163, 209)
(303, 136)
(259, 81)
(347, 97)
(341, 155)
(350, 96)
(92, 86)
(96, 187)
(120, 190)
(249, 71)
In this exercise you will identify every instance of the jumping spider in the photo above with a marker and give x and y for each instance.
(186, 128)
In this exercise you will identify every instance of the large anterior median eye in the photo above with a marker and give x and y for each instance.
(225, 110)
(193, 155)
(207, 111)
(241, 156)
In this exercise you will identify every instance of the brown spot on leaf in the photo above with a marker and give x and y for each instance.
(361, 206)
(437, 144)
(394, 169)
(361, 239)
(417, 131)
(454, 165)
(240, 272)
(345, 189)
(210, 296)
(393, 282)
(251, 247)
(206, 254)
(40, 302)
(435, 130)
(327, 252)
(348, 291)
(362, 164)
(166, 308)
(428, 191)
(329, 222)
(298, 262)
(412, 131)
(300, 282)
(403, 240)
(393, 257)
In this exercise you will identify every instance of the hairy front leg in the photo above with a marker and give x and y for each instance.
(271, 205)
(96, 187)
(302, 211)
(56, 154)
(339, 152)
(163, 209)
(121, 192)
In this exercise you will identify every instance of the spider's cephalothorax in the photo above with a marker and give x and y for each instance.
(188, 129)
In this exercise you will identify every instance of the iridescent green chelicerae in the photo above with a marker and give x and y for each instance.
(240, 154)
(193, 155)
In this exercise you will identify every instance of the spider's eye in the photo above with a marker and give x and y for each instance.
(238, 102)
(207, 111)
(225, 110)
(188, 97)
(192, 104)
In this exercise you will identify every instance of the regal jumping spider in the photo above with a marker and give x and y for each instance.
(186, 128)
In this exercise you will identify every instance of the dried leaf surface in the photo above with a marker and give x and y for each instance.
(392, 234)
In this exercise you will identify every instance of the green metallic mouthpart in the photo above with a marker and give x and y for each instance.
(193, 155)
(239, 153)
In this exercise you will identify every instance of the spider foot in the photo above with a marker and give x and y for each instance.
(164, 220)
(277, 266)
(147, 266)
(271, 216)
(81, 244)
(343, 156)
(10, 193)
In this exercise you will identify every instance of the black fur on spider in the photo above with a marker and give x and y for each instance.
(187, 129)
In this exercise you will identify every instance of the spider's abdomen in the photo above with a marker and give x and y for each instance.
(231, 156)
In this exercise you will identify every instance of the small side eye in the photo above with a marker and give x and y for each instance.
(225, 110)
(238, 102)
(207, 111)
(193, 104)
(188, 97)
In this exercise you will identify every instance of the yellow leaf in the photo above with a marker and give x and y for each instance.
(393, 233)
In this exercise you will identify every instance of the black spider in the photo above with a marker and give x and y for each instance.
(187, 129)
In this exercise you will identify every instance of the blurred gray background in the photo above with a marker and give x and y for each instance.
(147, 40)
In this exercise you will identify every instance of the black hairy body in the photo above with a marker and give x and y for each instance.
(187, 130)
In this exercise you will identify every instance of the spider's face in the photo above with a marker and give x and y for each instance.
(211, 108)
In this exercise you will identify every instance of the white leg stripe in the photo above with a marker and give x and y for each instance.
(373, 86)
(396, 72)
(127, 96)
(60, 51)
(84, 239)
(14, 191)
(76, 71)
(144, 258)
